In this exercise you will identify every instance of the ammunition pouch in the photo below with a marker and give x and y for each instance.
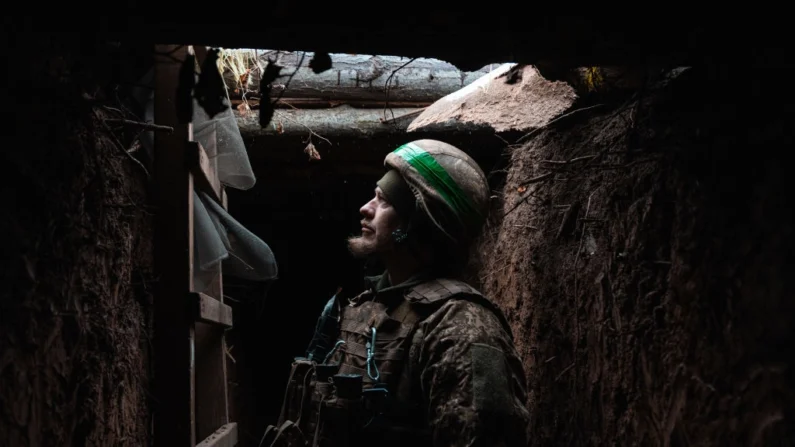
(365, 397)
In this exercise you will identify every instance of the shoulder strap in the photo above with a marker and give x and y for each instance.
(326, 330)
(436, 292)
(439, 290)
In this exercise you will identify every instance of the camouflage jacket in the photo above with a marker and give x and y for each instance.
(441, 352)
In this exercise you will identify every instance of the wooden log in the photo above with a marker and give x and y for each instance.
(349, 144)
(360, 77)
(318, 103)
(339, 122)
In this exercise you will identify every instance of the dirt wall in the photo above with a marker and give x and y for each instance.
(643, 250)
(76, 264)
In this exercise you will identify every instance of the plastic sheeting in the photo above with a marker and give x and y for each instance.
(244, 255)
(218, 237)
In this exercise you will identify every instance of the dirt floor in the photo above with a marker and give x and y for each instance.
(643, 250)
(76, 267)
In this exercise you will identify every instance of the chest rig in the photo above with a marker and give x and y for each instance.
(354, 386)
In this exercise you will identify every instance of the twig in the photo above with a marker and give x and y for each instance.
(119, 145)
(396, 118)
(113, 109)
(615, 112)
(502, 139)
(582, 236)
(537, 179)
(565, 371)
(140, 125)
(576, 277)
(287, 84)
(526, 196)
(529, 193)
(573, 160)
(227, 297)
(135, 146)
(496, 271)
(650, 158)
(565, 115)
(228, 352)
(388, 83)
(311, 132)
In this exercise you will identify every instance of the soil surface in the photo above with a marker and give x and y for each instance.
(509, 99)
(76, 264)
(643, 251)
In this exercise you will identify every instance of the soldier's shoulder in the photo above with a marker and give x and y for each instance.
(457, 303)
(439, 290)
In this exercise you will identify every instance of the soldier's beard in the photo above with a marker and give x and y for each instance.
(364, 247)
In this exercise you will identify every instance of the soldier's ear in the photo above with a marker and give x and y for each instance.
(400, 236)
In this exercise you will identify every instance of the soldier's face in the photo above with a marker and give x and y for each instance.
(379, 220)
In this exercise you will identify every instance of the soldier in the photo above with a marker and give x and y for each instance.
(419, 358)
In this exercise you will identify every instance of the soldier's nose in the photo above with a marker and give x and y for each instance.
(367, 210)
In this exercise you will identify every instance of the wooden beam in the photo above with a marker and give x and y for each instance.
(174, 423)
(214, 317)
(205, 172)
(226, 436)
(320, 103)
(211, 310)
(356, 77)
(211, 395)
(339, 122)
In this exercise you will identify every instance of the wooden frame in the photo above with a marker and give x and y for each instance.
(191, 395)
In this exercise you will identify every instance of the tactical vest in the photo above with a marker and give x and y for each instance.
(353, 387)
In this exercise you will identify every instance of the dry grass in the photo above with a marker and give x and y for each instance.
(239, 63)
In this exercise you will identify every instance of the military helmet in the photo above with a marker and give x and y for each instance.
(450, 188)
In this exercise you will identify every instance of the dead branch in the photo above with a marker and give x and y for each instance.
(118, 144)
(140, 125)
(567, 162)
(405, 115)
(576, 277)
(507, 143)
(650, 158)
(526, 196)
(567, 369)
(287, 84)
(311, 132)
(537, 179)
(134, 147)
(388, 84)
(495, 271)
